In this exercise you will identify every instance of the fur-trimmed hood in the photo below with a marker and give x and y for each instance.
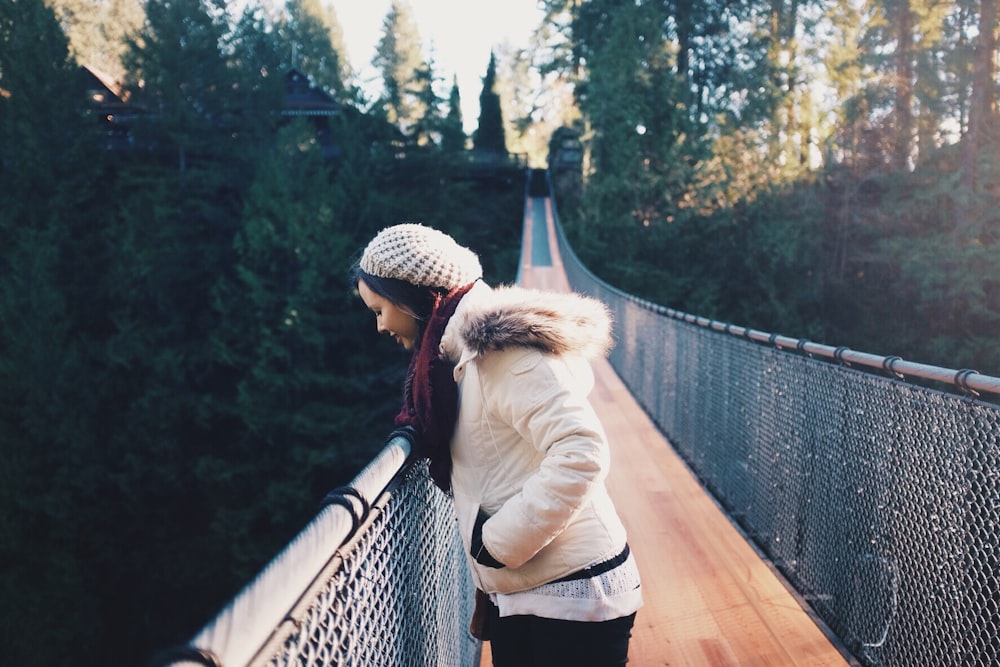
(490, 319)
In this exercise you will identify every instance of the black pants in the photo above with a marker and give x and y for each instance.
(530, 641)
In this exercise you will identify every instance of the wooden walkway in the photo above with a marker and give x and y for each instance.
(710, 600)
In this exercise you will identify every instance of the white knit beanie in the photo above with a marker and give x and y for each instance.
(420, 255)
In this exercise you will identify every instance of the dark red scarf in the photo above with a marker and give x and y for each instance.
(430, 395)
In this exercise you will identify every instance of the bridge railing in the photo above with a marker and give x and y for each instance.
(876, 497)
(377, 578)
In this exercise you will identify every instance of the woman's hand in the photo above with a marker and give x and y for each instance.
(478, 549)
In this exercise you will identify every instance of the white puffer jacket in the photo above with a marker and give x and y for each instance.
(528, 448)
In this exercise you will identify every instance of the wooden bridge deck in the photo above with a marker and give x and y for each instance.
(710, 600)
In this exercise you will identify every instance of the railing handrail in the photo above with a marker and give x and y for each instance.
(965, 379)
(247, 623)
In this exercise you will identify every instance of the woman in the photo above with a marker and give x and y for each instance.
(497, 394)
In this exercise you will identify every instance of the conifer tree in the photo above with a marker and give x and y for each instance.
(453, 136)
(282, 314)
(901, 29)
(177, 208)
(399, 57)
(526, 127)
(426, 130)
(258, 51)
(489, 135)
(52, 398)
(982, 109)
(315, 39)
(613, 105)
(843, 63)
(185, 79)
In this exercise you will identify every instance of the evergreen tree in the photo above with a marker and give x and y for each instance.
(257, 50)
(931, 88)
(52, 398)
(982, 110)
(398, 57)
(489, 135)
(614, 212)
(526, 126)
(899, 22)
(792, 122)
(426, 130)
(315, 39)
(904, 40)
(291, 394)
(542, 80)
(843, 63)
(41, 110)
(177, 208)
(353, 93)
(186, 81)
(453, 136)
(961, 33)
(718, 51)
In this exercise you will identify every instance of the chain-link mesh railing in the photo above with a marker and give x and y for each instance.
(878, 499)
(377, 579)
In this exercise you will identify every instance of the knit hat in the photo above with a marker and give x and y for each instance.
(420, 255)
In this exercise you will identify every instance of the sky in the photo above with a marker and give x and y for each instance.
(460, 32)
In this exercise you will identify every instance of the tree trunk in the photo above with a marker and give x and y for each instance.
(982, 104)
(983, 99)
(904, 87)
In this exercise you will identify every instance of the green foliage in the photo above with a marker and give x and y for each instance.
(642, 152)
(274, 339)
(185, 368)
(50, 387)
(489, 135)
(920, 279)
(453, 137)
(427, 130)
(314, 44)
(703, 137)
(398, 57)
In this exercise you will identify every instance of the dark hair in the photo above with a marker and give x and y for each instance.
(417, 299)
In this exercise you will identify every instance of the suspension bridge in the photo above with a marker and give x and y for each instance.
(788, 503)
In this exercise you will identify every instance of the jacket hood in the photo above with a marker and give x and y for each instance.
(557, 323)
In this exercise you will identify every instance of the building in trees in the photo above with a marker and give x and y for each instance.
(304, 100)
(116, 108)
(565, 161)
(110, 107)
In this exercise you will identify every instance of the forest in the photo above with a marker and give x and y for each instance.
(185, 368)
(823, 170)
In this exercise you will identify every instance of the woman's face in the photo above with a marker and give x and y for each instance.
(390, 318)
